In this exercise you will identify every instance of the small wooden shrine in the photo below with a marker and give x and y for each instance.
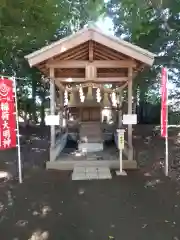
(81, 66)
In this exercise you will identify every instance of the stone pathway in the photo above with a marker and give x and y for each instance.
(87, 172)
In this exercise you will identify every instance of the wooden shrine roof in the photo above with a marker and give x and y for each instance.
(89, 44)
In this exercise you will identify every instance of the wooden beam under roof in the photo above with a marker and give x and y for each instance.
(97, 63)
(91, 51)
(98, 80)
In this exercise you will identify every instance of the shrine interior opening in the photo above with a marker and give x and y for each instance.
(91, 77)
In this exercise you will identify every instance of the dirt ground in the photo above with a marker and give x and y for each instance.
(48, 205)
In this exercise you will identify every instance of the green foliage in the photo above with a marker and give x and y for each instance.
(153, 25)
(26, 26)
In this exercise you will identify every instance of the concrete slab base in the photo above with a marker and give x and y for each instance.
(123, 173)
(70, 164)
(90, 173)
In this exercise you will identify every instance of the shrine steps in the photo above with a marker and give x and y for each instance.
(91, 139)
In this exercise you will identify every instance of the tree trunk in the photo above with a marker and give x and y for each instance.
(42, 108)
(141, 105)
(42, 114)
(34, 86)
(142, 101)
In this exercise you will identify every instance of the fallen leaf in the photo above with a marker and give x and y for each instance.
(46, 210)
(45, 235)
(22, 223)
(111, 237)
(175, 238)
(112, 226)
(147, 174)
(144, 226)
(35, 213)
(81, 191)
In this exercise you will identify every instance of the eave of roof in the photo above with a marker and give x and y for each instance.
(89, 34)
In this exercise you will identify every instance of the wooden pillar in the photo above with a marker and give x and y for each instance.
(61, 103)
(120, 110)
(52, 105)
(130, 72)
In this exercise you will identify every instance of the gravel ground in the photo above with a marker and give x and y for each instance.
(150, 151)
(48, 205)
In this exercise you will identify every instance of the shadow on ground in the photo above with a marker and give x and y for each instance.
(53, 206)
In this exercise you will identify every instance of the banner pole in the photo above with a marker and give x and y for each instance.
(166, 138)
(18, 136)
(166, 160)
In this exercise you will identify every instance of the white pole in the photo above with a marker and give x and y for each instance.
(120, 160)
(18, 136)
(166, 138)
(166, 160)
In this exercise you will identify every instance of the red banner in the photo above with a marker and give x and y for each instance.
(164, 103)
(7, 115)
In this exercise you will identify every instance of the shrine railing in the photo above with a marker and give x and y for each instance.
(61, 140)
